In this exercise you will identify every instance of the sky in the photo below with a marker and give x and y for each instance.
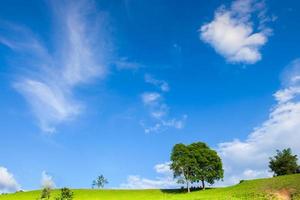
(109, 87)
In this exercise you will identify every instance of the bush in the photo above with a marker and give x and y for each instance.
(66, 194)
(45, 193)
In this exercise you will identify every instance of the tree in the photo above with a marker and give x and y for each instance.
(99, 182)
(284, 162)
(183, 164)
(209, 165)
(45, 193)
(94, 184)
(196, 163)
(65, 194)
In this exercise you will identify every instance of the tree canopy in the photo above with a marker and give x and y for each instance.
(194, 163)
(284, 162)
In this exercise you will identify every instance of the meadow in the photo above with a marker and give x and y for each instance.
(282, 187)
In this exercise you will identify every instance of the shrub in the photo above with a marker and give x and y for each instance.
(45, 193)
(66, 194)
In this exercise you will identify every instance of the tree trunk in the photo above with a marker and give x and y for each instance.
(188, 186)
(203, 185)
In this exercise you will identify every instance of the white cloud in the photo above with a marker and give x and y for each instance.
(125, 64)
(232, 33)
(176, 123)
(159, 111)
(150, 98)
(249, 158)
(163, 85)
(49, 78)
(51, 104)
(47, 181)
(163, 168)
(137, 182)
(164, 181)
(7, 181)
(164, 124)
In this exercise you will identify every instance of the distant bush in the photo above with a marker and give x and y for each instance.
(65, 194)
(45, 193)
(241, 181)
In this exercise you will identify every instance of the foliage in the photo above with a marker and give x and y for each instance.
(45, 193)
(65, 194)
(284, 163)
(209, 165)
(249, 189)
(183, 164)
(99, 182)
(196, 162)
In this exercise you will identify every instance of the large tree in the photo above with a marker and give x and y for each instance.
(196, 163)
(183, 164)
(284, 162)
(209, 165)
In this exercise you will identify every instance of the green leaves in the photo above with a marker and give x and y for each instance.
(196, 162)
(45, 193)
(65, 194)
(284, 163)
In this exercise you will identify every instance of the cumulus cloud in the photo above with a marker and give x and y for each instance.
(158, 109)
(163, 181)
(47, 180)
(7, 181)
(233, 33)
(249, 158)
(49, 77)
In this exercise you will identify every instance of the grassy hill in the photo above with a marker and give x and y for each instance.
(284, 187)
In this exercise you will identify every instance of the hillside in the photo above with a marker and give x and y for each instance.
(284, 187)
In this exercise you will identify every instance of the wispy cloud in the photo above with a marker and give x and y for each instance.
(233, 33)
(151, 98)
(249, 158)
(125, 64)
(50, 78)
(164, 180)
(47, 181)
(158, 109)
(163, 85)
(7, 181)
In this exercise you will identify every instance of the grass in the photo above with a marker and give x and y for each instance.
(283, 187)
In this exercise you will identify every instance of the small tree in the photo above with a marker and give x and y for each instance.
(284, 163)
(45, 193)
(99, 182)
(94, 184)
(65, 194)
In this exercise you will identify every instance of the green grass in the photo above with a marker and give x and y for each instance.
(252, 189)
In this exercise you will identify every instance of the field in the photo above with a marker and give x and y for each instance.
(284, 187)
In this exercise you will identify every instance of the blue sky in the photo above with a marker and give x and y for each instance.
(108, 87)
